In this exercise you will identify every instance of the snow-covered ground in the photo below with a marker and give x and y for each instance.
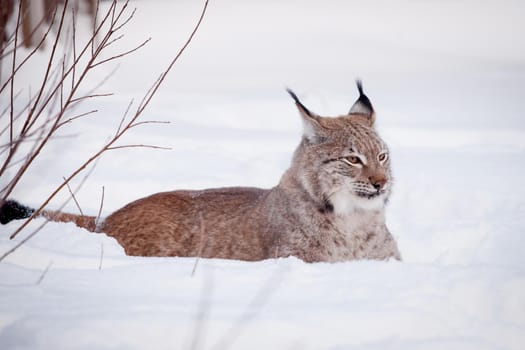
(447, 79)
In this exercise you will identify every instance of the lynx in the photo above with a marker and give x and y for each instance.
(329, 206)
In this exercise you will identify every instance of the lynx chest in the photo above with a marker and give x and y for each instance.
(356, 235)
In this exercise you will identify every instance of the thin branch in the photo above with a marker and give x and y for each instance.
(74, 198)
(73, 105)
(103, 81)
(27, 139)
(121, 54)
(123, 118)
(77, 117)
(44, 273)
(35, 49)
(4, 111)
(149, 122)
(11, 94)
(202, 243)
(8, 41)
(74, 100)
(62, 85)
(95, 20)
(114, 20)
(96, 29)
(13, 150)
(97, 220)
(57, 78)
(21, 139)
(109, 43)
(150, 90)
(101, 256)
(113, 16)
(126, 20)
(138, 146)
(74, 24)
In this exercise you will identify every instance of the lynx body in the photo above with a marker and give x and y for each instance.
(328, 206)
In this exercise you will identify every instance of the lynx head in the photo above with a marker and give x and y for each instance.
(342, 162)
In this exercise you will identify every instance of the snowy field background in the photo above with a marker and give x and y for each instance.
(447, 79)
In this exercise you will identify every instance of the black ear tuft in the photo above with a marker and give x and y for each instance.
(359, 84)
(12, 210)
(313, 130)
(363, 104)
(299, 103)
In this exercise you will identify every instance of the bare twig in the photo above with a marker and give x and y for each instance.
(77, 117)
(125, 22)
(74, 198)
(11, 95)
(73, 100)
(74, 23)
(149, 122)
(44, 273)
(97, 220)
(202, 243)
(103, 81)
(138, 146)
(101, 256)
(111, 42)
(31, 138)
(13, 150)
(95, 16)
(123, 119)
(121, 54)
(7, 108)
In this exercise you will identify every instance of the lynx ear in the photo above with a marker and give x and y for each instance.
(362, 108)
(313, 131)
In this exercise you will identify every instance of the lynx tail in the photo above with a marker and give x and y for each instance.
(12, 210)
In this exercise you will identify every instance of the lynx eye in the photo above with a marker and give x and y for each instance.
(352, 160)
(382, 157)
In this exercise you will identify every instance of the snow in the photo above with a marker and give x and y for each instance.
(448, 83)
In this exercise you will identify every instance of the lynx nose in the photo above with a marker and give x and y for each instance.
(377, 182)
